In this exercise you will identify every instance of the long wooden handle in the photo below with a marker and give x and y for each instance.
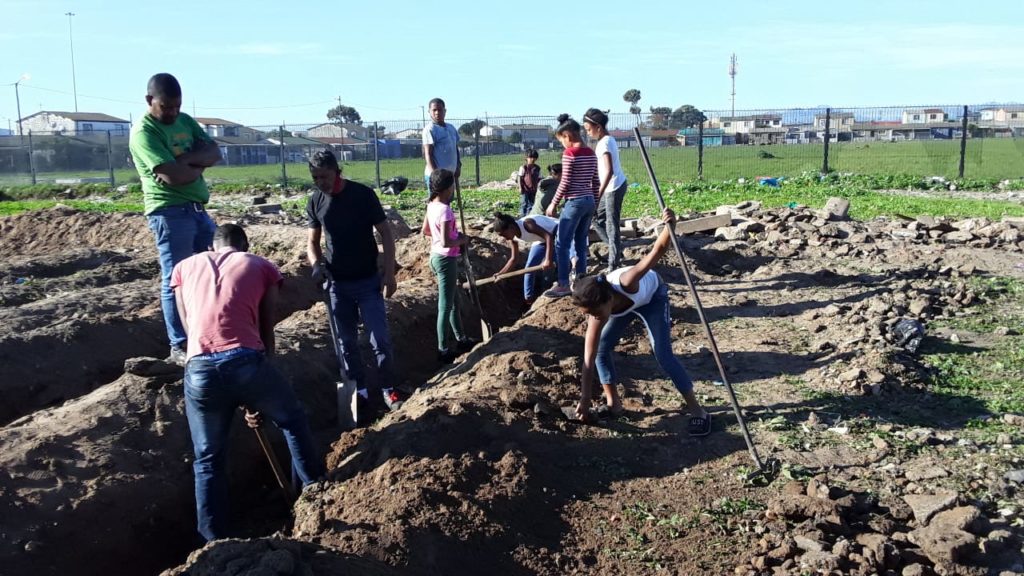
(492, 279)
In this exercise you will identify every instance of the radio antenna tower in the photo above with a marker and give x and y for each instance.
(732, 75)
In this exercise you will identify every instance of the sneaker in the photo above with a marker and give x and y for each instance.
(558, 292)
(446, 356)
(176, 357)
(466, 344)
(392, 399)
(699, 426)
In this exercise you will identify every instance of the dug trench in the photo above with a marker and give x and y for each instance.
(104, 480)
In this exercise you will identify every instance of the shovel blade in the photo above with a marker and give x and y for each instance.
(485, 330)
(347, 406)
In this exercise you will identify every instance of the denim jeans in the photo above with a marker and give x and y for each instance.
(215, 386)
(180, 231)
(655, 316)
(573, 231)
(449, 321)
(355, 299)
(526, 202)
(606, 222)
(533, 283)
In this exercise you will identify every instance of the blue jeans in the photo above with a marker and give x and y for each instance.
(655, 317)
(533, 283)
(606, 222)
(573, 230)
(362, 298)
(526, 202)
(215, 386)
(180, 232)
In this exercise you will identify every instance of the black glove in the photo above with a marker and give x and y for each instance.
(319, 274)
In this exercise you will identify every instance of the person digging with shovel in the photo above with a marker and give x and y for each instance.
(225, 299)
(345, 214)
(610, 302)
(538, 229)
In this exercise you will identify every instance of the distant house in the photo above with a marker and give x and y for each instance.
(237, 150)
(712, 137)
(891, 131)
(332, 130)
(652, 138)
(744, 124)
(1002, 120)
(837, 122)
(220, 128)
(74, 123)
(297, 148)
(924, 116)
(532, 134)
(407, 134)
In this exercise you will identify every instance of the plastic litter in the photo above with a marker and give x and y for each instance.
(394, 186)
(908, 333)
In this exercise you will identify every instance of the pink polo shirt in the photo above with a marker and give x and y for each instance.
(221, 293)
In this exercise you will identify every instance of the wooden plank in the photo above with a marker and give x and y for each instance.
(703, 224)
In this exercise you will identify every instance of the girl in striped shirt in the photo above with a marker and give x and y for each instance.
(578, 188)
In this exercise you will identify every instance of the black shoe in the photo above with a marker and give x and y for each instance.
(466, 344)
(698, 426)
(446, 356)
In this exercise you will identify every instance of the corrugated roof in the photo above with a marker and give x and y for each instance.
(80, 116)
(216, 122)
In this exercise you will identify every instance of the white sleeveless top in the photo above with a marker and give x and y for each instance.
(648, 286)
(547, 223)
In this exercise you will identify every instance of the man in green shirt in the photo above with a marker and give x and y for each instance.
(170, 151)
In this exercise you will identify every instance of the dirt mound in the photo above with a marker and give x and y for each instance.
(61, 227)
(280, 556)
(480, 472)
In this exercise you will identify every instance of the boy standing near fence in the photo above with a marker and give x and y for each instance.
(528, 179)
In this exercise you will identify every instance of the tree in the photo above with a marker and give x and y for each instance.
(686, 116)
(344, 114)
(633, 96)
(276, 133)
(472, 128)
(659, 117)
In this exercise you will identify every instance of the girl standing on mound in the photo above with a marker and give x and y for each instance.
(445, 248)
(611, 301)
(579, 189)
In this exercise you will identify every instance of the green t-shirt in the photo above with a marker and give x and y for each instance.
(153, 143)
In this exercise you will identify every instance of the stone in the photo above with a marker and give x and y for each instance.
(1013, 419)
(875, 376)
(731, 233)
(925, 473)
(958, 236)
(851, 375)
(808, 544)
(837, 208)
(794, 507)
(913, 570)
(874, 546)
(941, 544)
(269, 208)
(997, 541)
(1015, 476)
(924, 506)
(965, 518)
(919, 306)
(823, 561)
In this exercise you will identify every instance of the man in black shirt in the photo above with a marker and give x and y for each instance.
(345, 214)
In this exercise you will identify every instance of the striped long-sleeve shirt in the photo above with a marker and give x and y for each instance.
(579, 174)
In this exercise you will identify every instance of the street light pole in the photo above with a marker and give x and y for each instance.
(17, 98)
(71, 37)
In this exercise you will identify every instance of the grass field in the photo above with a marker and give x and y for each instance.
(992, 158)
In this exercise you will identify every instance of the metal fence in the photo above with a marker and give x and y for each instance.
(981, 141)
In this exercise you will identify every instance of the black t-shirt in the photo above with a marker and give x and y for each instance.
(347, 220)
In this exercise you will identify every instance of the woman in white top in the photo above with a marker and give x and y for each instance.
(541, 231)
(611, 302)
(612, 187)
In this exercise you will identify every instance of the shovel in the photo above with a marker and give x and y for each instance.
(268, 451)
(765, 470)
(348, 412)
(474, 294)
(500, 277)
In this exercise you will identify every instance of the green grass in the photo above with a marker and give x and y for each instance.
(10, 208)
(987, 159)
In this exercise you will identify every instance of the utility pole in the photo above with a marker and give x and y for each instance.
(17, 98)
(423, 116)
(71, 37)
(732, 75)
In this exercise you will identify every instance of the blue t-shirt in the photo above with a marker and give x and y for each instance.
(444, 139)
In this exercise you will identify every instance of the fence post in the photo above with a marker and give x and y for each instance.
(828, 136)
(700, 151)
(110, 159)
(31, 160)
(284, 171)
(376, 153)
(963, 144)
(476, 153)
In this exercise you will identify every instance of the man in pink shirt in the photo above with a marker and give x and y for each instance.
(226, 299)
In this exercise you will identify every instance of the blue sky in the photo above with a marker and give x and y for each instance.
(272, 61)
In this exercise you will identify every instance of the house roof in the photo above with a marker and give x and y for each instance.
(79, 116)
(331, 140)
(216, 122)
(923, 111)
(522, 127)
(239, 141)
(751, 117)
(1011, 108)
(347, 125)
(934, 111)
(294, 141)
